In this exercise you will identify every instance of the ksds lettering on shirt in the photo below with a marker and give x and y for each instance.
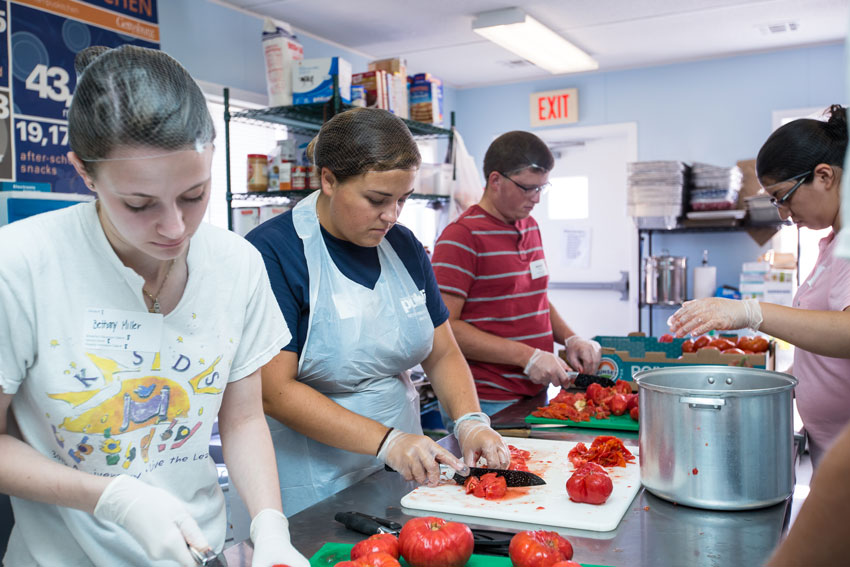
(538, 269)
(117, 329)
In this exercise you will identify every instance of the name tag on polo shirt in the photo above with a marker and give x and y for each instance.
(539, 269)
(116, 329)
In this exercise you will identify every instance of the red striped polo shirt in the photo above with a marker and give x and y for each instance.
(488, 263)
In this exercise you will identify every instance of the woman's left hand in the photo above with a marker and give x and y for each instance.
(477, 439)
(270, 535)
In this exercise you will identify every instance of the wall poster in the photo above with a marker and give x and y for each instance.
(38, 42)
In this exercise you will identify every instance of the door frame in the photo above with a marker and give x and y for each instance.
(629, 130)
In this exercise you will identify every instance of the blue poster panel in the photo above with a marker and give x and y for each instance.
(44, 37)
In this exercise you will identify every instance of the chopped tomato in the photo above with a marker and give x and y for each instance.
(623, 387)
(606, 450)
(490, 486)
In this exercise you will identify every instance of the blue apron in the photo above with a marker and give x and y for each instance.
(359, 343)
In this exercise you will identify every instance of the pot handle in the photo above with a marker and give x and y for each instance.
(703, 403)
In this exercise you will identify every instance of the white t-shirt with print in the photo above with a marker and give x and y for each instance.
(108, 411)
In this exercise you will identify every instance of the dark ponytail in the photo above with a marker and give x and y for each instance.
(800, 145)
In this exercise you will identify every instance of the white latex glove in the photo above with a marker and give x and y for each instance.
(477, 439)
(417, 457)
(715, 313)
(270, 535)
(158, 521)
(546, 368)
(583, 354)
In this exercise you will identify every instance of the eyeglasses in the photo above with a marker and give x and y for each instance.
(787, 197)
(542, 189)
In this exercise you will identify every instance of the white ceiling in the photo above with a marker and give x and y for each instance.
(436, 35)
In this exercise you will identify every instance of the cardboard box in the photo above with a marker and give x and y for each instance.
(281, 52)
(374, 84)
(621, 364)
(312, 80)
(390, 65)
(426, 99)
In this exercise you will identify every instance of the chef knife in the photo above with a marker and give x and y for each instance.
(207, 558)
(490, 542)
(512, 478)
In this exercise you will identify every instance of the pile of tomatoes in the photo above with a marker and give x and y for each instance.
(598, 401)
(606, 450)
(743, 345)
(434, 542)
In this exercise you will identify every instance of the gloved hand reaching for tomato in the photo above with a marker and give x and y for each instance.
(715, 313)
(417, 457)
(477, 439)
(583, 354)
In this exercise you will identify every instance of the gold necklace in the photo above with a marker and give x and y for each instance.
(155, 308)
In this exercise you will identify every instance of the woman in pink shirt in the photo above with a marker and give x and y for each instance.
(800, 166)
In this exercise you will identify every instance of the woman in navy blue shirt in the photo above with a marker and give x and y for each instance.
(360, 298)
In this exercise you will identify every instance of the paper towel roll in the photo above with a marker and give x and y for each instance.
(705, 281)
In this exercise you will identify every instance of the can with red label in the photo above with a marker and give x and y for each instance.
(299, 177)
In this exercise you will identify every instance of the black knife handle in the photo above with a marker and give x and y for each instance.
(358, 523)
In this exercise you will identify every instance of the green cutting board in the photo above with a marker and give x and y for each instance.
(332, 553)
(618, 422)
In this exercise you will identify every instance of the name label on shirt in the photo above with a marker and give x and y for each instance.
(539, 269)
(116, 329)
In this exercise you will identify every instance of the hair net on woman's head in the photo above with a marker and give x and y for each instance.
(132, 98)
(364, 139)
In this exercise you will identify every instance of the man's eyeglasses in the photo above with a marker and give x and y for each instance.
(787, 197)
(542, 189)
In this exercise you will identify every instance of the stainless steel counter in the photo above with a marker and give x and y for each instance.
(653, 531)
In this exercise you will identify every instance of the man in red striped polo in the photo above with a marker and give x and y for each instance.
(493, 277)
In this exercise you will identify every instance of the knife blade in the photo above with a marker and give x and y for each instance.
(512, 478)
(581, 380)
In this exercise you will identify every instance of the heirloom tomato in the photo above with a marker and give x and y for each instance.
(434, 542)
(539, 549)
(590, 484)
(700, 342)
(379, 559)
(386, 543)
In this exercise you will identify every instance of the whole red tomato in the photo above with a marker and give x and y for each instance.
(386, 543)
(714, 348)
(539, 549)
(566, 564)
(633, 401)
(590, 484)
(665, 338)
(434, 542)
(688, 346)
(735, 350)
(722, 344)
(634, 413)
(378, 559)
(745, 343)
(760, 344)
(700, 342)
(618, 404)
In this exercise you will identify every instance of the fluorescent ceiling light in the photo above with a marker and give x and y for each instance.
(518, 32)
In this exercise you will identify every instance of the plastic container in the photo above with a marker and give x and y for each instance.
(258, 172)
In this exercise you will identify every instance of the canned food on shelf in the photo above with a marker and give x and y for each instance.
(299, 177)
(313, 179)
(258, 172)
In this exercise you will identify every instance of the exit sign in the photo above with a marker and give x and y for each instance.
(554, 107)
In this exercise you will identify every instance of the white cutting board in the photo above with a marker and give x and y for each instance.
(547, 505)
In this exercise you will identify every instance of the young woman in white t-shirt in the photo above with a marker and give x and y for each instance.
(126, 328)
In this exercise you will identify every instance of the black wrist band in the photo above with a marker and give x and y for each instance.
(384, 440)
